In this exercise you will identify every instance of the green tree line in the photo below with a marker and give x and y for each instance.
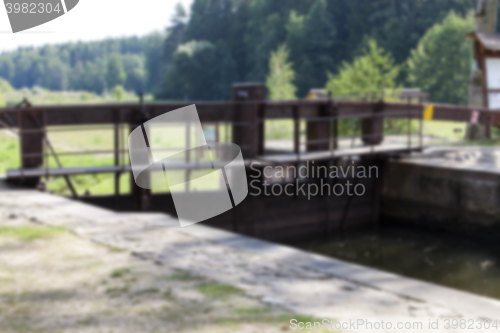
(227, 41)
(132, 62)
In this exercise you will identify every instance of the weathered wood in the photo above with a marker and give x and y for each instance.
(223, 111)
(141, 198)
(319, 131)
(372, 127)
(31, 144)
(248, 118)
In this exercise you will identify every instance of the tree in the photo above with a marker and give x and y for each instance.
(7, 68)
(115, 75)
(163, 81)
(175, 34)
(200, 71)
(319, 48)
(210, 20)
(118, 93)
(154, 65)
(266, 30)
(369, 76)
(55, 76)
(133, 65)
(319, 34)
(5, 87)
(281, 75)
(440, 64)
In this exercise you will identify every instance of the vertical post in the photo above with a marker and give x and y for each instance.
(296, 130)
(248, 132)
(421, 124)
(334, 111)
(408, 105)
(45, 149)
(372, 128)
(141, 198)
(318, 131)
(117, 148)
(31, 137)
(487, 126)
(248, 120)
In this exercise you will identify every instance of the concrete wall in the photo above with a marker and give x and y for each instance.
(450, 198)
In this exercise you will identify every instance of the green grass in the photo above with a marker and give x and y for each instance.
(40, 96)
(218, 290)
(117, 291)
(182, 277)
(265, 314)
(115, 249)
(252, 312)
(283, 129)
(279, 129)
(147, 291)
(167, 294)
(31, 233)
(74, 139)
(94, 184)
(95, 139)
(9, 151)
(445, 129)
(120, 272)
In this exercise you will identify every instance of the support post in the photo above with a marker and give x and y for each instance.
(141, 198)
(248, 121)
(31, 138)
(372, 128)
(117, 154)
(318, 131)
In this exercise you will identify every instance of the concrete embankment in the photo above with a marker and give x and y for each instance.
(452, 189)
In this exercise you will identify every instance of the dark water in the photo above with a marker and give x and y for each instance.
(437, 257)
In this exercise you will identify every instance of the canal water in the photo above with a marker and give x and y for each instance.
(438, 257)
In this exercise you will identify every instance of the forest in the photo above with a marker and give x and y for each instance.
(350, 47)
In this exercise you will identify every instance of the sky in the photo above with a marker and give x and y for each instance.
(93, 20)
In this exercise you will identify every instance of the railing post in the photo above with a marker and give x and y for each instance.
(31, 137)
(372, 128)
(318, 132)
(141, 198)
(248, 120)
(117, 140)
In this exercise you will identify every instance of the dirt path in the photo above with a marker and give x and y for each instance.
(53, 281)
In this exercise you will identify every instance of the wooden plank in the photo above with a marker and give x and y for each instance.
(223, 111)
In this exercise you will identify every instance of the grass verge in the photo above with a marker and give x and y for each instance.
(31, 233)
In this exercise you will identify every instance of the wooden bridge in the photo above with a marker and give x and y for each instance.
(245, 118)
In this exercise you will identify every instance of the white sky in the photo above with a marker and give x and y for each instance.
(93, 20)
